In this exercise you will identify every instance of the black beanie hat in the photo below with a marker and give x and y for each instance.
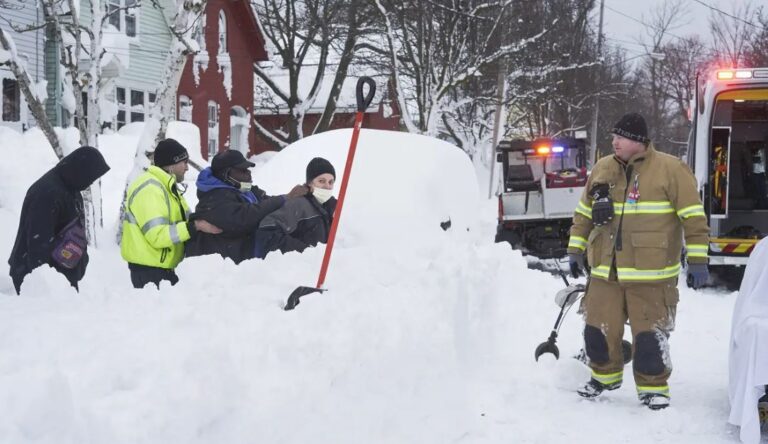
(168, 152)
(318, 166)
(632, 126)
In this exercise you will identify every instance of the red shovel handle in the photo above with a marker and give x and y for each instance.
(362, 105)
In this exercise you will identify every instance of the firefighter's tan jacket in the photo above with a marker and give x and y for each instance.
(662, 201)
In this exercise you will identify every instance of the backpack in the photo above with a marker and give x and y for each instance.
(70, 245)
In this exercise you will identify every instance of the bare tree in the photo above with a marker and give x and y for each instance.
(552, 88)
(431, 58)
(683, 60)
(300, 32)
(757, 51)
(185, 20)
(731, 33)
(653, 100)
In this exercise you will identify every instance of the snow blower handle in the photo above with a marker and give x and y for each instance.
(364, 101)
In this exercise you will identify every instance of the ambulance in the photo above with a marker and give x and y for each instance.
(727, 153)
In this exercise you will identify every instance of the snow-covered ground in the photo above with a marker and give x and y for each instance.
(425, 336)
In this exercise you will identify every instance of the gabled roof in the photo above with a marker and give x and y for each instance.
(267, 102)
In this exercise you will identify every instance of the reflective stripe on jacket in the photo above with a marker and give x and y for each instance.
(154, 226)
(666, 204)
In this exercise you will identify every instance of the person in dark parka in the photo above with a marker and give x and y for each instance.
(303, 222)
(52, 203)
(229, 200)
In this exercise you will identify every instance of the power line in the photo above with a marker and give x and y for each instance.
(635, 19)
(624, 41)
(727, 14)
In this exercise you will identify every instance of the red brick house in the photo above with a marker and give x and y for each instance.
(216, 88)
(383, 113)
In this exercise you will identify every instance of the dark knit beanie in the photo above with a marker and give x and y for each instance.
(318, 166)
(168, 152)
(632, 126)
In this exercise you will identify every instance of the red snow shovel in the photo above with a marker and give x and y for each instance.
(362, 105)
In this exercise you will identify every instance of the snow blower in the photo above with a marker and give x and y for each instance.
(565, 298)
(363, 101)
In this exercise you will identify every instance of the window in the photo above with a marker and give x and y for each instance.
(120, 97)
(185, 109)
(199, 32)
(123, 15)
(213, 128)
(113, 11)
(137, 106)
(223, 33)
(238, 129)
(132, 105)
(130, 17)
(11, 101)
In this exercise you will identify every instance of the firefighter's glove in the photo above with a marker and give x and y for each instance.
(602, 204)
(576, 261)
(698, 275)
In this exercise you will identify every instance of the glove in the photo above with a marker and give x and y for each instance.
(602, 211)
(698, 275)
(298, 191)
(602, 204)
(576, 261)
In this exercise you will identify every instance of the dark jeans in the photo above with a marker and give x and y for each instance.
(142, 275)
(761, 194)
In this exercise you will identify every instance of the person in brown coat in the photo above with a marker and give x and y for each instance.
(636, 210)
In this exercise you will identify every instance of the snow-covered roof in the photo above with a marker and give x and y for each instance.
(267, 102)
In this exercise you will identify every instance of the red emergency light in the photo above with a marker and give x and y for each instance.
(543, 150)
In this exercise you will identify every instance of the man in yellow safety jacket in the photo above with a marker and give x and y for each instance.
(156, 222)
(636, 209)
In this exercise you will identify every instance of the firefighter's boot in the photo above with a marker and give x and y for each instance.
(654, 401)
(593, 388)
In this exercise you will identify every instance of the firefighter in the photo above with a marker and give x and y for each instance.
(630, 222)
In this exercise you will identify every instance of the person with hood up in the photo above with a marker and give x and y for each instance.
(156, 223)
(51, 224)
(304, 222)
(229, 200)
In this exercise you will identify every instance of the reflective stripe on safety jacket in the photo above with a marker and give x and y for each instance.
(658, 206)
(154, 226)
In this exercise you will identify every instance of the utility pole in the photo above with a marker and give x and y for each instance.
(593, 136)
(497, 125)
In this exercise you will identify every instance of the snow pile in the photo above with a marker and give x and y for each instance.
(401, 188)
(427, 340)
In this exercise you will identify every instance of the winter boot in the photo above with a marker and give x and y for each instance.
(593, 388)
(762, 409)
(654, 401)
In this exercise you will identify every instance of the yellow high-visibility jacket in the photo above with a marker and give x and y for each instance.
(154, 226)
(662, 202)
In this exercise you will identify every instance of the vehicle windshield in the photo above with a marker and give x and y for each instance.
(568, 159)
